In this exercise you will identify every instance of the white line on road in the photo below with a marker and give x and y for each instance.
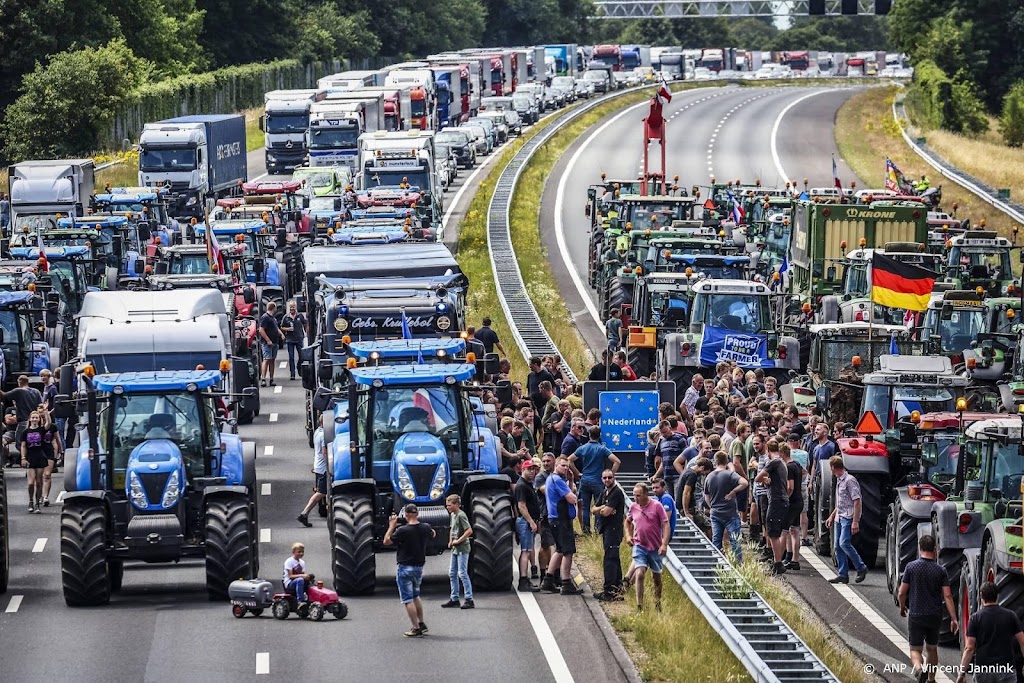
(278, 388)
(39, 546)
(283, 365)
(60, 497)
(14, 604)
(548, 644)
(262, 663)
(265, 489)
(264, 535)
(775, 132)
(268, 450)
(273, 417)
(259, 177)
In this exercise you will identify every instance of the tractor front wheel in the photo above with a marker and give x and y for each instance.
(490, 564)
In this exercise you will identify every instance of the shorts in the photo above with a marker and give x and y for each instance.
(36, 460)
(923, 629)
(793, 516)
(527, 536)
(409, 578)
(321, 483)
(547, 537)
(742, 504)
(775, 520)
(268, 351)
(565, 540)
(650, 559)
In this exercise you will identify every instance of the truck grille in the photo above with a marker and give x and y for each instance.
(295, 147)
(153, 484)
(422, 476)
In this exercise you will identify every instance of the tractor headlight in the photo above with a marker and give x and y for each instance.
(138, 496)
(437, 486)
(191, 201)
(173, 491)
(405, 486)
(444, 322)
(340, 324)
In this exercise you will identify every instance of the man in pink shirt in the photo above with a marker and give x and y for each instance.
(647, 530)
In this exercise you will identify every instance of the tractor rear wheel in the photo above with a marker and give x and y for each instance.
(229, 544)
(1010, 586)
(822, 502)
(84, 571)
(5, 557)
(953, 562)
(641, 360)
(352, 558)
(490, 564)
(900, 544)
(866, 542)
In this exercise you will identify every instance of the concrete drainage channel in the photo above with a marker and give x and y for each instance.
(769, 650)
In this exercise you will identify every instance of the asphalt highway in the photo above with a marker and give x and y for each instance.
(772, 134)
(160, 626)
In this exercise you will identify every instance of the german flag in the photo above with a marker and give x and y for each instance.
(900, 285)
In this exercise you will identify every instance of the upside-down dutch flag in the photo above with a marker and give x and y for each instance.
(738, 214)
(900, 285)
(835, 174)
(663, 92)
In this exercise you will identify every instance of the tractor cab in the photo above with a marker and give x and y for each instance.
(906, 384)
(67, 264)
(144, 206)
(654, 212)
(253, 252)
(980, 258)
(939, 445)
(157, 479)
(21, 328)
(953, 322)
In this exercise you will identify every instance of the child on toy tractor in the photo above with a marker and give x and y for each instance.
(295, 576)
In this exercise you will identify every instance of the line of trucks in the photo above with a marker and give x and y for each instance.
(780, 279)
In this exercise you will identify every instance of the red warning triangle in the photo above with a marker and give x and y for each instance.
(709, 205)
(869, 423)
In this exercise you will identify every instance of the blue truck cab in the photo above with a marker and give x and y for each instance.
(254, 234)
(158, 477)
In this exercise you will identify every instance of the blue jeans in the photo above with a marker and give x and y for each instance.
(846, 554)
(300, 588)
(589, 491)
(732, 525)
(293, 352)
(409, 578)
(527, 537)
(458, 570)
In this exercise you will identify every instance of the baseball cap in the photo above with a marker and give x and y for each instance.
(532, 462)
(793, 437)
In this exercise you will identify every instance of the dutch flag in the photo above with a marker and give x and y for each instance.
(738, 214)
(835, 175)
(663, 92)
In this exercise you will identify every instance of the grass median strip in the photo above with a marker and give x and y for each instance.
(866, 134)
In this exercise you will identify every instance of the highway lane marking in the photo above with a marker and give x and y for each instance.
(262, 663)
(268, 450)
(721, 122)
(259, 177)
(265, 489)
(548, 644)
(264, 535)
(283, 365)
(60, 497)
(577, 281)
(862, 607)
(39, 546)
(273, 417)
(775, 131)
(14, 604)
(278, 388)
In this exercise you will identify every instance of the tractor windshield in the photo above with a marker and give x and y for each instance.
(736, 312)
(994, 261)
(1003, 323)
(670, 308)
(958, 328)
(888, 401)
(398, 410)
(1004, 470)
(942, 473)
(855, 279)
(190, 264)
(131, 419)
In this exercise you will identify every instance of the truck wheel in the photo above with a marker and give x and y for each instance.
(229, 547)
(953, 562)
(352, 558)
(85, 575)
(5, 556)
(115, 568)
(822, 502)
(866, 542)
(682, 376)
(640, 361)
(490, 564)
(904, 544)
(1010, 586)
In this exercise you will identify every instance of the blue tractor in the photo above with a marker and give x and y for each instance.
(255, 261)
(154, 479)
(409, 434)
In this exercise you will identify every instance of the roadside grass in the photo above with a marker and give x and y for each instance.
(986, 158)
(866, 134)
(253, 135)
(664, 652)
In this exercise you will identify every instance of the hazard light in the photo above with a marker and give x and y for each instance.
(964, 522)
(925, 492)
(961, 404)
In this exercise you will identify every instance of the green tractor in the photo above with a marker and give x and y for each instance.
(980, 258)
(977, 529)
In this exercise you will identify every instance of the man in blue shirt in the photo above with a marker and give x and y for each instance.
(669, 448)
(592, 457)
(561, 503)
(667, 502)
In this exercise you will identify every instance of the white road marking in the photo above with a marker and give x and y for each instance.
(273, 417)
(262, 663)
(775, 131)
(268, 450)
(265, 488)
(14, 604)
(283, 365)
(259, 177)
(862, 607)
(264, 535)
(278, 388)
(548, 644)
(39, 546)
(60, 497)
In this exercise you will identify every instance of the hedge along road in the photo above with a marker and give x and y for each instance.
(735, 130)
(161, 626)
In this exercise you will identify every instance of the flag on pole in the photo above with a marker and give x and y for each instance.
(663, 92)
(738, 214)
(213, 254)
(406, 332)
(893, 349)
(835, 174)
(900, 285)
(894, 178)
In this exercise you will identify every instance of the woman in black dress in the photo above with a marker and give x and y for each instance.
(33, 458)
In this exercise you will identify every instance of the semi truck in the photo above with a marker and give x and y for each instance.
(447, 81)
(335, 125)
(41, 189)
(471, 84)
(608, 54)
(198, 157)
(634, 56)
(672, 64)
(718, 59)
(351, 80)
(565, 58)
(422, 93)
(393, 159)
(284, 123)
(397, 105)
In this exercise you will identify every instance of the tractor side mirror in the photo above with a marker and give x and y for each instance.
(322, 399)
(337, 204)
(972, 459)
(821, 398)
(503, 391)
(300, 303)
(929, 454)
(263, 123)
(830, 274)
(492, 364)
(249, 392)
(63, 406)
(260, 268)
(145, 233)
(248, 295)
(139, 267)
(324, 370)
(161, 268)
(817, 269)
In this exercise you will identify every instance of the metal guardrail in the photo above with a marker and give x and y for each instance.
(947, 170)
(763, 643)
(115, 162)
(527, 328)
